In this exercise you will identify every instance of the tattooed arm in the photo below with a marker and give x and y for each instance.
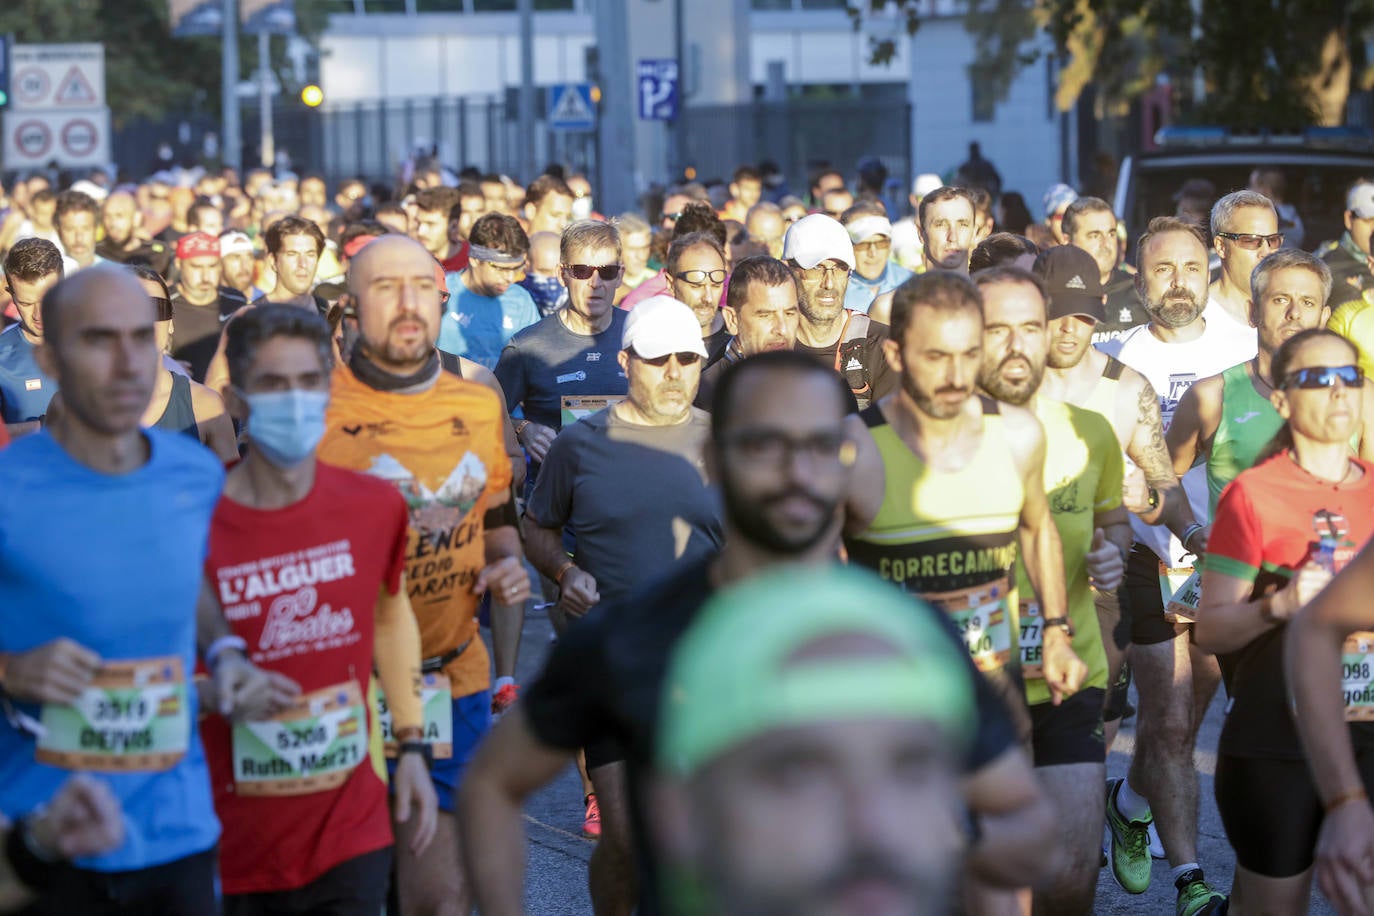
(1147, 450)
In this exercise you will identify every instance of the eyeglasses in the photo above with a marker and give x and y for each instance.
(1251, 242)
(698, 277)
(873, 246)
(687, 358)
(775, 448)
(164, 308)
(1325, 377)
(672, 217)
(820, 272)
(607, 272)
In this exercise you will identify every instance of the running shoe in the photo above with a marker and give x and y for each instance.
(591, 823)
(1130, 845)
(504, 699)
(1196, 897)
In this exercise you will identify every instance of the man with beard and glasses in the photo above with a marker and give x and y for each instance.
(629, 481)
(785, 464)
(1174, 678)
(821, 255)
(952, 483)
(1082, 478)
(811, 695)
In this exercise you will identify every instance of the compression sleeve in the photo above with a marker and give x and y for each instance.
(397, 653)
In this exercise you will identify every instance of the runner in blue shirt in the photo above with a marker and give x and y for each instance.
(32, 267)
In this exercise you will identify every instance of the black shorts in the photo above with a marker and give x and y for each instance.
(1116, 639)
(356, 887)
(1070, 732)
(1271, 811)
(602, 752)
(1142, 602)
(183, 887)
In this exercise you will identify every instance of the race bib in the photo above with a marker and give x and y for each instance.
(575, 408)
(1032, 640)
(1357, 677)
(981, 614)
(311, 747)
(1180, 588)
(134, 716)
(437, 706)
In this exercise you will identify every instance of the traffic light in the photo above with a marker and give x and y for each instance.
(6, 46)
(312, 95)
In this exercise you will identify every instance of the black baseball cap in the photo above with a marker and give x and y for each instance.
(1072, 280)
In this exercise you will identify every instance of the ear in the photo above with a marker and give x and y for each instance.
(1348, 217)
(1217, 247)
(1253, 313)
(892, 352)
(1326, 316)
(624, 357)
(1279, 398)
(731, 319)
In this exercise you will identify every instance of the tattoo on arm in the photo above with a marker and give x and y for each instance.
(1153, 457)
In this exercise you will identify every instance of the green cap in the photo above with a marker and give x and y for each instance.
(736, 673)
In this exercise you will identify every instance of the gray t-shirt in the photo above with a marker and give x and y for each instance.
(546, 363)
(635, 497)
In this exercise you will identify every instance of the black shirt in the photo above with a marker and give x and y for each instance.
(603, 678)
(1349, 276)
(859, 358)
(1123, 307)
(196, 328)
(155, 254)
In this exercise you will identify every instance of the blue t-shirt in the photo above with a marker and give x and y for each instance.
(24, 390)
(116, 564)
(546, 363)
(862, 291)
(478, 327)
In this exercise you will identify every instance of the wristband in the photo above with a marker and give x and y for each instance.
(418, 747)
(217, 647)
(563, 571)
(409, 733)
(1349, 795)
(1191, 530)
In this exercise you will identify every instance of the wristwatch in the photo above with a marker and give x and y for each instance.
(1153, 498)
(1063, 623)
(422, 748)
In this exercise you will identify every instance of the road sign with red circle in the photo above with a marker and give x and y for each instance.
(31, 86)
(79, 138)
(32, 138)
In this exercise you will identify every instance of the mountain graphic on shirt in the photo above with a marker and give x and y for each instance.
(435, 510)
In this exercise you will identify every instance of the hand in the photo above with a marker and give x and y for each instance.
(1197, 544)
(1305, 585)
(1345, 858)
(579, 594)
(507, 581)
(249, 693)
(536, 438)
(415, 792)
(1135, 491)
(1064, 671)
(83, 819)
(1105, 564)
(55, 672)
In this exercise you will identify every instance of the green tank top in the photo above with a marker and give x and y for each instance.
(1248, 421)
(1103, 397)
(950, 537)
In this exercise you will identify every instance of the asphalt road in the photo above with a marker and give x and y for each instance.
(556, 882)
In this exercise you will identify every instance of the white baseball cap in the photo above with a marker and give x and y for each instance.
(235, 243)
(815, 238)
(925, 183)
(868, 227)
(661, 325)
(1360, 200)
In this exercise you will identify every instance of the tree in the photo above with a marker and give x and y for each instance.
(1284, 64)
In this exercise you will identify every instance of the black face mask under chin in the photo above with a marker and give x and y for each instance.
(373, 376)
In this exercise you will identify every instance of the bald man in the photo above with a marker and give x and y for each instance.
(124, 242)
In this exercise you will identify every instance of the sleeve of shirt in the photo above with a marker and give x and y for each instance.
(1108, 494)
(510, 374)
(550, 505)
(1235, 546)
(400, 540)
(562, 705)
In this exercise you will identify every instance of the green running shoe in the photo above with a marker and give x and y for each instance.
(1196, 897)
(1130, 846)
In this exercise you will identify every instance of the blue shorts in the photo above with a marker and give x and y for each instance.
(471, 722)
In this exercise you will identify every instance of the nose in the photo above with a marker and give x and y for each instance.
(672, 369)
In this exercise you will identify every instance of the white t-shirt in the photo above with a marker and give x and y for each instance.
(1173, 368)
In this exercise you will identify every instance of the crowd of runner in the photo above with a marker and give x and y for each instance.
(855, 528)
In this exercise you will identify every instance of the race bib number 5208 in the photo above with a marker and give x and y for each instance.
(312, 747)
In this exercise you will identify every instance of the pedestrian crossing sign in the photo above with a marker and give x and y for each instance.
(570, 107)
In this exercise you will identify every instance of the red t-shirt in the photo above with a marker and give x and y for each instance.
(300, 584)
(458, 261)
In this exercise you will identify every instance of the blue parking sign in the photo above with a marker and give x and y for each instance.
(658, 90)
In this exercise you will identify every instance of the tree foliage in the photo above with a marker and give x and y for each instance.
(1264, 63)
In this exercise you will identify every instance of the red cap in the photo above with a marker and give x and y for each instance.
(356, 244)
(197, 245)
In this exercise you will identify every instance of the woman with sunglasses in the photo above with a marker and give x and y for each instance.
(1281, 529)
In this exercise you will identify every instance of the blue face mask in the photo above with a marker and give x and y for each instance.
(285, 426)
(545, 291)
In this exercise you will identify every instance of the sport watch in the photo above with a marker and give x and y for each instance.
(1153, 498)
(1063, 623)
(422, 748)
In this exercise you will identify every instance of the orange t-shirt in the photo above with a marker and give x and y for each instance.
(444, 450)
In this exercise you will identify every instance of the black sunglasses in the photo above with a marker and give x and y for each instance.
(1251, 242)
(1325, 377)
(584, 271)
(683, 359)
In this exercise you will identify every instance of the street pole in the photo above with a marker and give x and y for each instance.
(231, 145)
(526, 157)
(268, 142)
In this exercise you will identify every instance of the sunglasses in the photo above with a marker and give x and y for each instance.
(698, 277)
(584, 271)
(164, 308)
(683, 359)
(1251, 242)
(1325, 377)
(672, 217)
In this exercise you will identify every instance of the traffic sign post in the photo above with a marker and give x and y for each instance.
(56, 111)
(571, 107)
(658, 90)
(6, 53)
